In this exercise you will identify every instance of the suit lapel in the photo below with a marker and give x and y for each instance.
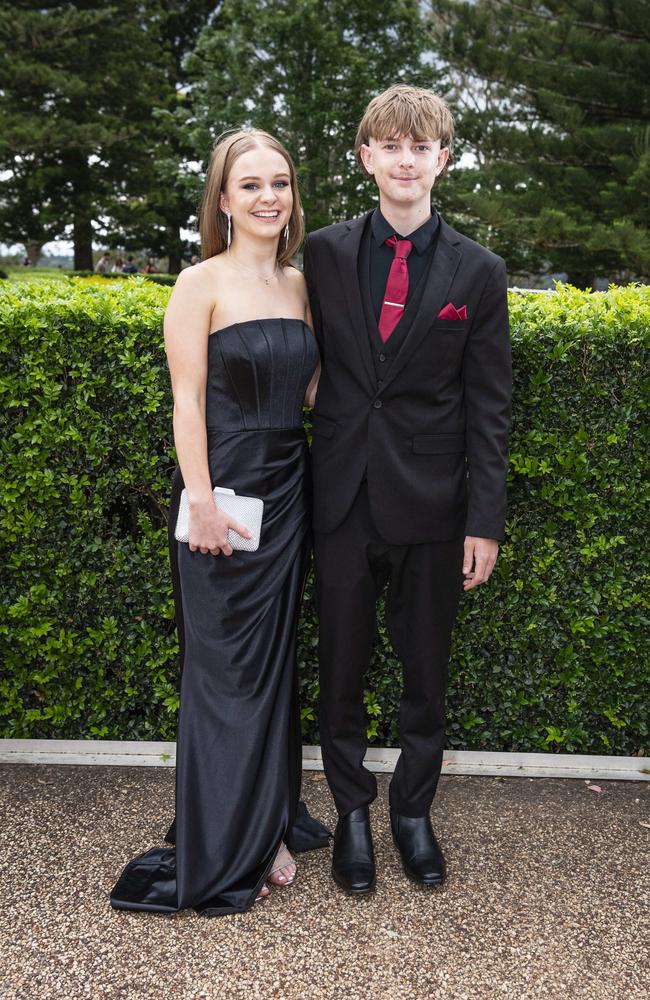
(347, 261)
(436, 293)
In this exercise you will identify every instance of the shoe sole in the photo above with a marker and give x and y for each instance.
(354, 892)
(435, 884)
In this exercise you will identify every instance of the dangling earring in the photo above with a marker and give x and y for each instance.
(229, 231)
(286, 235)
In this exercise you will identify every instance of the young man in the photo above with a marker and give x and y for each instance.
(409, 463)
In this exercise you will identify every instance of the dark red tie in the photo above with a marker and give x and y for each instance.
(397, 287)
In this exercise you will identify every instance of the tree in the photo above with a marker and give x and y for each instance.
(168, 202)
(75, 113)
(556, 101)
(304, 71)
(29, 206)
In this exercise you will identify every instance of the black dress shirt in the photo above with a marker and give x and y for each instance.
(381, 256)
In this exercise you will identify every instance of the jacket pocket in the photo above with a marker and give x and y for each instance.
(323, 426)
(438, 444)
(450, 325)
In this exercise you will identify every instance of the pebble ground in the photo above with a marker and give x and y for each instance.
(548, 898)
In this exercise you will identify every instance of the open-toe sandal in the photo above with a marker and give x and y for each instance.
(283, 852)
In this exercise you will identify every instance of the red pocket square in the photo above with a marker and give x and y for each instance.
(450, 312)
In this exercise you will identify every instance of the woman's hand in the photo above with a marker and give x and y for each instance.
(209, 528)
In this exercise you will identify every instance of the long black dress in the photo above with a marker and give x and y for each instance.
(238, 748)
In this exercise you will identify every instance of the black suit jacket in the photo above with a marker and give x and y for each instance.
(432, 438)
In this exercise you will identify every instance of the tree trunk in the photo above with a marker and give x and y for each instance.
(83, 241)
(175, 251)
(175, 263)
(580, 279)
(82, 208)
(33, 250)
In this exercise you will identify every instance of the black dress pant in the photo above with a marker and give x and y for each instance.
(353, 565)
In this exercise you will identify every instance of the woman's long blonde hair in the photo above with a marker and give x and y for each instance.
(213, 224)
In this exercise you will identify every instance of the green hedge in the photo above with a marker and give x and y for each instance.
(552, 654)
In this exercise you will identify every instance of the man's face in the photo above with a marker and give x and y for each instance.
(405, 168)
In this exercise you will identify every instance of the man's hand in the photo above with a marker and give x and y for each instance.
(478, 561)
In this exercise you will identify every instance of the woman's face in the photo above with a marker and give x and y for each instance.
(258, 194)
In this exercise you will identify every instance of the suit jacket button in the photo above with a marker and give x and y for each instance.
(382, 357)
(378, 404)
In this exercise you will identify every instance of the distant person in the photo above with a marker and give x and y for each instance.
(150, 266)
(26, 262)
(118, 266)
(103, 264)
(193, 260)
(130, 267)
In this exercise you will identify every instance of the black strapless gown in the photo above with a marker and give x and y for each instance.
(238, 762)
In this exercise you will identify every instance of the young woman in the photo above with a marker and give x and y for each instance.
(243, 361)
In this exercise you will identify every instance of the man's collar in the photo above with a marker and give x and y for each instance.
(421, 238)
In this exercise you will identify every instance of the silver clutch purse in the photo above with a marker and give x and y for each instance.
(247, 510)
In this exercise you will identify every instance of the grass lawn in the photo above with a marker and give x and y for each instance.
(34, 273)
(49, 274)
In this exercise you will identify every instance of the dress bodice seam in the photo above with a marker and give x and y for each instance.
(267, 319)
(252, 430)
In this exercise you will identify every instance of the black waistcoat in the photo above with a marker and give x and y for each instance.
(383, 354)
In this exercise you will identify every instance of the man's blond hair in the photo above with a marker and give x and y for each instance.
(403, 110)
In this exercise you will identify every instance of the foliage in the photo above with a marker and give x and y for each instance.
(551, 654)
(87, 636)
(161, 279)
(555, 653)
(554, 101)
(77, 138)
(304, 71)
(98, 143)
(32, 274)
(92, 277)
(170, 199)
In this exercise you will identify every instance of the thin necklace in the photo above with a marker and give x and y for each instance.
(267, 279)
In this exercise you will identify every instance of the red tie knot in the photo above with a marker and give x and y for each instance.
(402, 247)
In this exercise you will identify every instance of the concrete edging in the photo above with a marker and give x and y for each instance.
(150, 754)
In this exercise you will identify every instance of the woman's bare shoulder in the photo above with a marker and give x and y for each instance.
(294, 274)
(200, 282)
(203, 272)
(297, 279)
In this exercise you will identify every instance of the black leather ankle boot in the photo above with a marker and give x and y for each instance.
(353, 858)
(421, 854)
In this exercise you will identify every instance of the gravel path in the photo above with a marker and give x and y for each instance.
(548, 896)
